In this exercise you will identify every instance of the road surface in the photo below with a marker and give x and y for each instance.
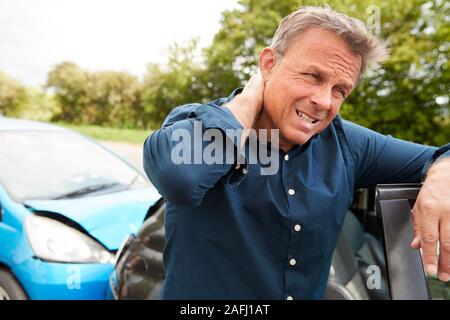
(128, 151)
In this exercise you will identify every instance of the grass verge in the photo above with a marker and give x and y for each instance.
(135, 136)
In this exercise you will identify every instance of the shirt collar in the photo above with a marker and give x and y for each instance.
(234, 94)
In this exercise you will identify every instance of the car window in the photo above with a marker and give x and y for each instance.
(44, 165)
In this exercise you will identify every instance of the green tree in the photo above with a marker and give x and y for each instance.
(114, 99)
(233, 54)
(102, 98)
(181, 80)
(13, 96)
(406, 97)
(40, 106)
(69, 83)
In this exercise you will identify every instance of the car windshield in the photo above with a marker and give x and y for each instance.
(52, 165)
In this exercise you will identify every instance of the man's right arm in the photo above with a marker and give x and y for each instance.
(186, 183)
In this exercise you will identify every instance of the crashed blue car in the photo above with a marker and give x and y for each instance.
(66, 205)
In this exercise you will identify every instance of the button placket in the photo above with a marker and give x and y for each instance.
(291, 263)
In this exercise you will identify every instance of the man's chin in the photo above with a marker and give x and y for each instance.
(286, 144)
(301, 138)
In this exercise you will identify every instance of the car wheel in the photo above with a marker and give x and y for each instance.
(10, 289)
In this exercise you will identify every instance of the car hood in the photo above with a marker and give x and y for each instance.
(109, 217)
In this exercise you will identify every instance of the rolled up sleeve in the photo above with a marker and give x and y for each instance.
(441, 153)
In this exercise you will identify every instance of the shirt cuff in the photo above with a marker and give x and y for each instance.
(441, 153)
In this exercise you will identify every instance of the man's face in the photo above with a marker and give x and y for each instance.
(306, 87)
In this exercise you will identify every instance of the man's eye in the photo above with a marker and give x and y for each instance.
(342, 92)
(313, 75)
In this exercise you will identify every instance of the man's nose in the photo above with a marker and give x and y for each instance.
(321, 98)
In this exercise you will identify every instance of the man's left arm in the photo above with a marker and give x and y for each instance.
(431, 217)
(384, 159)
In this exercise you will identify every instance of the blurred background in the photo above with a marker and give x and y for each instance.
(103, 65)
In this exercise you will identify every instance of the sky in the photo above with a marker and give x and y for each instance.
(121, 35)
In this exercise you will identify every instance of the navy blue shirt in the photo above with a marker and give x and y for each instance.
(232, 233)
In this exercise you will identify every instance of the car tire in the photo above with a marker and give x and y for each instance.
(10, 289)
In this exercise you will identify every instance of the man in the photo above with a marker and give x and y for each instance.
(233, 232)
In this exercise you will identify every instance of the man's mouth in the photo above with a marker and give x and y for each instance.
(306, 118)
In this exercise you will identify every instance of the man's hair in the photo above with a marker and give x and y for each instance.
(353, 31)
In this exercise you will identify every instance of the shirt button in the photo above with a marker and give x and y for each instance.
(286, 157)
(297, 227)
(291, 192)
(244, 171)
(292, 262)
(289, 298)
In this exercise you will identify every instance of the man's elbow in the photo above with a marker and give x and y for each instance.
(179, 187)
(178, 184)
(183, 199)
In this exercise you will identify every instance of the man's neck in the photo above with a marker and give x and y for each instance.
(264, 122)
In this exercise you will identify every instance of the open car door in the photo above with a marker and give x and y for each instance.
(405, 272)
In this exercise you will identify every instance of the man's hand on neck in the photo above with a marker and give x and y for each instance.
(247, 106)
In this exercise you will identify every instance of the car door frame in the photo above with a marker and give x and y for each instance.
(405, 272)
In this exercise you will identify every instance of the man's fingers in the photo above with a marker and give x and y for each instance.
(444, 251)
(429, 236)
(415, 244)
(255, 82)
(254, 90)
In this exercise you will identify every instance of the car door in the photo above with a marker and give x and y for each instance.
(405, 272)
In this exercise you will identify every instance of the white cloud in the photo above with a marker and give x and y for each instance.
(98, 34)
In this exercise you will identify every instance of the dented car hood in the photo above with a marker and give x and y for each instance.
(109, 217)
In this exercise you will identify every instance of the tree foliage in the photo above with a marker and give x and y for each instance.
(406, 97)
(181, 80)
(13, 95)
(233, 54)
(106, 97)
(39, 106)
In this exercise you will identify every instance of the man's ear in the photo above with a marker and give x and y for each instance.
(267, 62)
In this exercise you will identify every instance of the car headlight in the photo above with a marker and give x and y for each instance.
(54, 241)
